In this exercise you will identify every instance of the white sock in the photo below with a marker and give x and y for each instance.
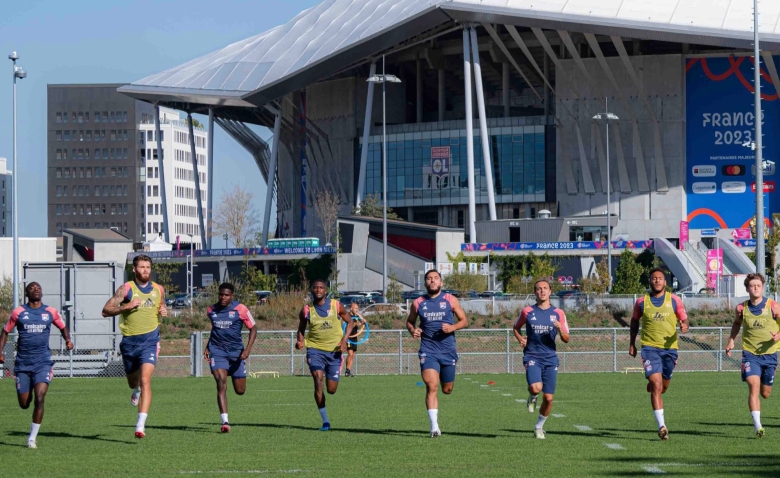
(137, 391)
(223, 416)
(540, 422)
(34, 427)
(324, 415)
(433, 415)
(659, 417)
(756, 419)
(141, 423)
(534, 397)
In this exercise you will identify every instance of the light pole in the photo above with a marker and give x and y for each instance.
(607, 117)
(18, 72)
(719, 255)
(760, 254)
(191, 272)
(384, 78)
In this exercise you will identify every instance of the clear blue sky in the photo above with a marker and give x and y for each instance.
(99, 41)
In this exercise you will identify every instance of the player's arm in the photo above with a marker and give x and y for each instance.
(344, 316)
(301, 329)
(9, 326)
(682, 315)
(458, 312)
(735, 330)
(60, 324)
(562, 326)
(114, 306)
(411, 322)
(776, 315)
(518, 327)
(249, 323)
(162, 310)
(634, 328)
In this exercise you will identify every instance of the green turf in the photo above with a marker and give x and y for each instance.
(381, 429)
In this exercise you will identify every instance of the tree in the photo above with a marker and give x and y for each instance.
(628, 276)
(522, 274)
(236, 216)
(163, 272)
(598, 283)
(394, 289)
(463, 282)
(372, 207)
(326, 206)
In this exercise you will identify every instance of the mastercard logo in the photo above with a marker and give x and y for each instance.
(734, 170)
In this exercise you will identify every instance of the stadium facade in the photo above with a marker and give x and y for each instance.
(527, 78)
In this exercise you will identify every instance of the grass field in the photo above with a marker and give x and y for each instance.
(603, 427)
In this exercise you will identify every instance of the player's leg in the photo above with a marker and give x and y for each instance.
(145, 400)
(350, 360)
(24, 389)
(315, 359)
(533, 376)
(132, 364)
(333, 363)
(431, 377)
(754, 402)
(40, 385)
(654, 372)
(549, 382)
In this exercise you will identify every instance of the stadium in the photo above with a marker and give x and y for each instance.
(529, 79)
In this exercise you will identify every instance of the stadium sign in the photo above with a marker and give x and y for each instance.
(553, 246)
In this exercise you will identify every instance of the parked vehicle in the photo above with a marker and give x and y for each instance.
(413, 294)
(360, 300)
(262, 296)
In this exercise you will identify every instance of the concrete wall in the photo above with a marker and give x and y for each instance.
(112, 252)
(448, 242)
(31, 249)
(643, 214)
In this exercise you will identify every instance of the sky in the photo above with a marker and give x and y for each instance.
(89, 41)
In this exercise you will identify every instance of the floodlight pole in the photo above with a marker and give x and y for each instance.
(760, 252)
(17, 72)
(607, 116)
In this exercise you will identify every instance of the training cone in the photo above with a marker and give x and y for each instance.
(491, 383)
(420, 384)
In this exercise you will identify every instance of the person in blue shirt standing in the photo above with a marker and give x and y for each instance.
(543, 323)
(33, 368)
(225, 350)
(438, 357)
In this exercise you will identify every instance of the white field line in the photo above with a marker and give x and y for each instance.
(614, 446)
(507, 394)
(242, 472)
(583, 428)
(558, 415)
(653, 469)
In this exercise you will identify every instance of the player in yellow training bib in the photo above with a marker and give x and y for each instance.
(325, 342)
(760, 335)
(659, 313)
(139, 303)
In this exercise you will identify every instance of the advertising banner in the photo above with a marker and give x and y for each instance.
(683, 234)
(720, 125)
(741, 233)
(553, 246)
(440, 160)
(714, 267)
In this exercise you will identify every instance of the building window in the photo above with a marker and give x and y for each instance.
(102, 135)
(97, 117)
(86, 154)
(81, 117)
(113, 209)
(113, 135)
(124, 116)
(112, 116)
(105, 116)
(58, 173)
(59, 154)
(105, 153)
(89, 136)
(59, 117)
(65, 191)
(124, 153)
(67, 209)
(66, 173)
(86, 116)
(59, 191)
(73, 117)
(156, 191)
(105, 190)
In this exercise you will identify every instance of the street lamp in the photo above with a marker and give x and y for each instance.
(18, 72)
(607, 117)
(190, 263)
(760, 253)
(384, 78)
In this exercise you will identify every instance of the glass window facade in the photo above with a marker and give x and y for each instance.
(416, 178)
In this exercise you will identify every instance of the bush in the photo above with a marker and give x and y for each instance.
(463, 282)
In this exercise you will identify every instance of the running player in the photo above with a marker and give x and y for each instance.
(325, 341)
(139, 303)
(225, 351)
(354, 311)
(543, 323)
(33, 367)
(438, 356)
(659, 313)
(760, 334)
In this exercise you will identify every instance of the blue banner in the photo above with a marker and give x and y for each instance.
(252, 252)
(554, 246)
(303, 163)
(720, 125)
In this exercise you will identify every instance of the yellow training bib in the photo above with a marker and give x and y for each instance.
(144, 319)
(757, 330)
(324, 332)
(659, 324)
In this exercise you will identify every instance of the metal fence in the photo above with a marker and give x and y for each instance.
(391, 352)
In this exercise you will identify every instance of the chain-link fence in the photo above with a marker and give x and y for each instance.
(390, 352)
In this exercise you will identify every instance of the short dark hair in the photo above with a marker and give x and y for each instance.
(227, 285)
(142, 258)
(753, 276)
(29, 286)
(324, 282)
(542, 280)
(654, 270)
(431, 271)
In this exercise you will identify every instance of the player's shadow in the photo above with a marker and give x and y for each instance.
(387, 431)
(592, 434)
(671, 432)
(70, 435)
(759, 466)
(179, 428)
(738, 425)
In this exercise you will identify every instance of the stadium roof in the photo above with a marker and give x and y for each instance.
(339, 34)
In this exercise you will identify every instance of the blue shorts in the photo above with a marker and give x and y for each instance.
(544, 370)
(28, 378)
(655, 360)
(762, 365)
(329, 362)
(444, 364)
(140, 349)
(235, 367)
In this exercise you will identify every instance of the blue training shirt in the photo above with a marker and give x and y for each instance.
(433, 313)
(34, 328)
(226, 325)
(540, 331)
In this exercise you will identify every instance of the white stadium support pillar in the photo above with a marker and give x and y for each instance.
(269, 192)
(210, 203)
(197, 182)
(166, 231)
(483, 131)
(469, 136)
(360, 194)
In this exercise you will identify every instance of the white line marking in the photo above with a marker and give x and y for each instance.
(493, 390)
(583, 428)
(483, 386)
(241, 472)
(558, 415)
(521, 400)
(507, 394)
(653, 469)
(614, 446)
